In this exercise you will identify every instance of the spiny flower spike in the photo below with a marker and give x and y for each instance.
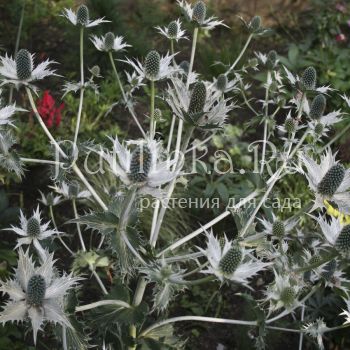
(82, 17)
(278, 229)
(290, 125)
(230, 261)
(197, 102)
(221, 82)
(308, 79)
(318, 107)
(21, 70)
(109, 42)
(140, 165)
(332, 180)
(173, 31)
(152, 65)
(271, 59)
(255, 24)
(199, 12)
(288, 296)
(343, 241)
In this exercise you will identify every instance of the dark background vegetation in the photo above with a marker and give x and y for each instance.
(304, 32)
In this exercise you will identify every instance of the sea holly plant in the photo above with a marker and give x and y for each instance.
(135, 270)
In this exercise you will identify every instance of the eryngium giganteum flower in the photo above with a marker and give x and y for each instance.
(82, 17)
(198, 14)
(155, 67)
(173, 31)
(32, 231)
(202, 106)
(141, 166)
(7, 112)
(21, 70)
(36, 293)
(109, 42)
(329, 180)
(228, 261)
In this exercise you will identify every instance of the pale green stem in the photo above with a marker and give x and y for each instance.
(76, 216)
(171, 133)
(209, 224)
(100, 303)
(64, 337)
(19, 31)
(250, 37)
(152, 123)
(129, 106)
(265, 121)
(59, 237)
(301, 337)
(247, 102)
(81, 87)
(201, 142)
(40, 161)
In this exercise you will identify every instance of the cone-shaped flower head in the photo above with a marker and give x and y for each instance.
(230, 261)
(221, 82)
(271, 59)
(24, 64)
(95, 71)
(173, 29)
(255, 24)
(278, 229)
(199, 12)
(318, 107)
(140, 165)
(288, 296)
(33, 227)
(319, 127)
(343, 241)
(185, 66)
(36, 289)
(331, 180)
(109, 41)
(152, 65)
(290, 125)
(157, 114)
(197, 101)
(308, 79)
(329, 269)
(83, 15)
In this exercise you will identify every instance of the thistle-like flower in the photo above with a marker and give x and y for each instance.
(21, 70)
(224, 85)
(337, 235)
(329, 180)
(202, 106)
(32, 231)
(142, 167)
(198, 14)
(50, 200)
(71, 191)
(37, 293)
(277, 228)
(155, 67)
(316, 330)
(173, 31)
(82, 17)
(229, 261)
(109, 42)
(283, 292)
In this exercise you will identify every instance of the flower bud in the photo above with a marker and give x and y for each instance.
(271, 59)
(319, 127)
(152, 65)
(343, 241)
(24, 64)
(315, 259)
(83, 15)
(329, 269)
(230, 261)
(109, 41)
(73, 189)
(33, 227)
(157, 115)
(318, 107)
(332, 180)
(198, 98)
(173, 30)
(308, 79)
(278, 228)
(199, 12)
(290, 125)
(140, 165)
(255, 24)
(288, 296)
(95, 71)
(221, 82)
(36, 289)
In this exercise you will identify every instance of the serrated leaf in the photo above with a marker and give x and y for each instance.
(105, 222)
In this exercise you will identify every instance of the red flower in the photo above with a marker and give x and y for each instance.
(340, 38)
(48, 111)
